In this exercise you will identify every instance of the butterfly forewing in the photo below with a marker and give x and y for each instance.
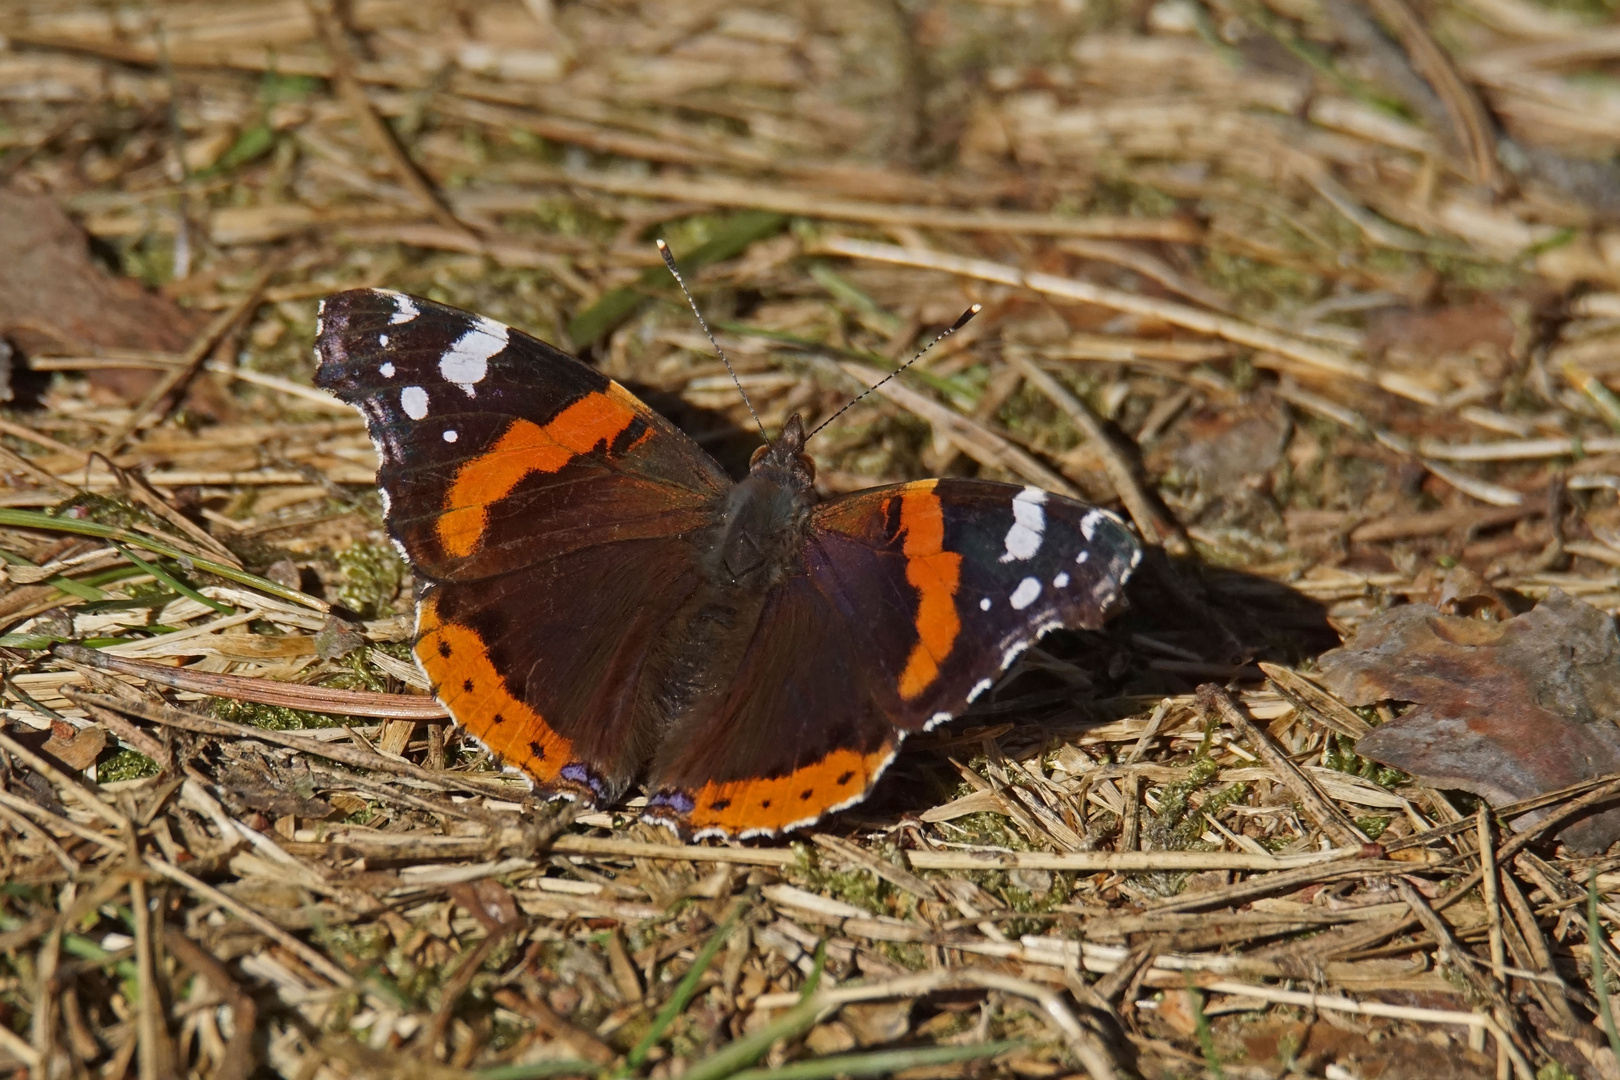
(496, 450)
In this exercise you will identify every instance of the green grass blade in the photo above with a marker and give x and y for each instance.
(684, 990)
(1206, 1037)
(1600, 980)
(879, 1062)
(729, 241)
(743, 1052)
(174, 583)
(33, 519)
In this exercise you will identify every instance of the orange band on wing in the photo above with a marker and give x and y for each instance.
(457, 661)
(935, 574)
(738, 806)
(525, 448)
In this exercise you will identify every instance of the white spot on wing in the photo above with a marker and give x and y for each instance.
(937, 719)
(387, 370)
(414, 400)
(450, 435)
(1082, 557)
(1088, 524)
(978, 688)
(467, 362)
(984, 605)
(404, 310)
(1029, 523)
(382, 340)
(1060, 581)
(1025, 594)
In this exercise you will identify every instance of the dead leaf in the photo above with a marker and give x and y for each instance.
(54, 296)
(1506, 710)
(1223, 448)
(75, 748)
(1179, 1009)
(1464, 592)
(486, 900)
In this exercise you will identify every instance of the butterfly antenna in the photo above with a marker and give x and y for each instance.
(961, 321)
(669, 261)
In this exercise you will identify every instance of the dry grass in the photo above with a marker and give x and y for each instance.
(1328, 308)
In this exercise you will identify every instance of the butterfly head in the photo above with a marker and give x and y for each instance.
(784, 461)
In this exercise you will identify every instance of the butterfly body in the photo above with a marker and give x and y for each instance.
(601, 603)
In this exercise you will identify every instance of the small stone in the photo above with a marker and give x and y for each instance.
(833, 1038)
(337, 638)
(1034, 882)
(874, 1023)
(285, 572)
(564, 1000)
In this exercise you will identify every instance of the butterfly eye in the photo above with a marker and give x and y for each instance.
(761, 452)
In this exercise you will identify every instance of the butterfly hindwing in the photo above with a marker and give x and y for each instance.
(910, 601)
(973, 573)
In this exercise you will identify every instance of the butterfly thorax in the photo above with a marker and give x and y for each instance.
(762, 529)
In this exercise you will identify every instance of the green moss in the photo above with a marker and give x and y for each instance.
(371, 575)
(107, 510)
(1372, 825)
(271, 717)
(1118, 195)
(1340, 756)
(1259, 286)
(124, 765)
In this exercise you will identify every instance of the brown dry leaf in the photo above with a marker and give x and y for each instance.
(77, 748)
(54, 296)
(1506, 710)
(486, 900)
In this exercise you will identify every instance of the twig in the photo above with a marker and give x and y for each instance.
(381, 136)
(1214, 701)
(238, 1060)
(362, 759)
(1156, 528)
(1204, 322)
(315, 959)
(194, 355)
(265, 691)
(975, 439)
(718, 192)
(1473, 126)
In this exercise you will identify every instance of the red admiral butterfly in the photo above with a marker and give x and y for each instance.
(602, 603)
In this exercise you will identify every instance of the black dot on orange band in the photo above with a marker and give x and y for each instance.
(846, 778)
(719, 804)
(765, 803)
(444, 648)
(466, 684)
(806, 793)
(497, 719)
(537, 750)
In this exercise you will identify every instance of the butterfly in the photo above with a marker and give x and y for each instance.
(599, 602)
